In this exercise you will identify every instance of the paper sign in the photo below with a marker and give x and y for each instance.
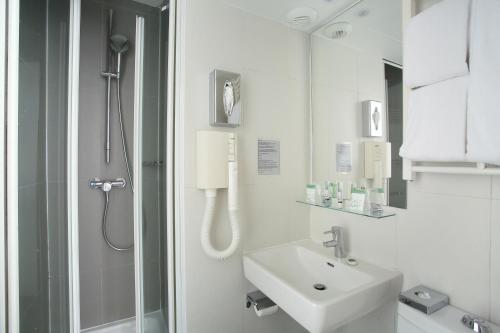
(344, 157)
(268, 157)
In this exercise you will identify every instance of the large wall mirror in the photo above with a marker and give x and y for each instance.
(356, 82)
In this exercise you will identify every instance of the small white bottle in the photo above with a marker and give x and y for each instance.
(326, 196)
(339, 195)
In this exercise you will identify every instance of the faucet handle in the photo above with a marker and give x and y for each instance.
(333, 230)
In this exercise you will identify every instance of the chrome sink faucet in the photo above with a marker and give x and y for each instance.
(337, 242)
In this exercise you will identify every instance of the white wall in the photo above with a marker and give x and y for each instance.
(447, 239)
(273, 62)
(342, 78)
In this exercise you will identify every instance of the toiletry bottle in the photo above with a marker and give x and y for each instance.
(332, 186)
(376, 199)
(339, 195)
(326, 196)
(311, 193)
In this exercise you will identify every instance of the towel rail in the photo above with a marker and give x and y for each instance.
(482, 169)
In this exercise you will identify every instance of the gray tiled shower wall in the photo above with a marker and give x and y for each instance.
(107, 276)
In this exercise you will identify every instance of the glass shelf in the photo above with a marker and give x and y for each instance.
(375, 215)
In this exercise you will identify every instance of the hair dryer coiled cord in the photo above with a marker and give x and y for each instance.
(209, 214)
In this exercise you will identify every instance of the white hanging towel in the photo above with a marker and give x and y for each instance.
(435, 44)
(436, 122)
(483, 119)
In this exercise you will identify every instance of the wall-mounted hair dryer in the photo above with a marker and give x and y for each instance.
(217, 168)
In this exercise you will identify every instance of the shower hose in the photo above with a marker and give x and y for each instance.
(129, 174)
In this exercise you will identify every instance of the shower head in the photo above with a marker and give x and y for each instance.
(118, 43)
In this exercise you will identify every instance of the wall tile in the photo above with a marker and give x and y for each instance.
(336, 61)
(451, 185)
(91, 205)
(429, 242)
(435, 248)
(90, 299)
(370, 75)
(495, 187)
(224, 48)
(118, 293)
(382, 320)
(266, 45)
(270, 58)
(366, 238)
(266, 219)
(334, 106)
(495, 262)
(225, 278)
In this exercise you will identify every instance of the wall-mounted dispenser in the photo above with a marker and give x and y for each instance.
(372, 118)
(225, 101)
(217, 168)
(377, 161)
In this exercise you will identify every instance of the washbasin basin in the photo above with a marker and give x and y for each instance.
(318, 290)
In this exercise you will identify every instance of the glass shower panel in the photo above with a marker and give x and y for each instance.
(42, 134)
(153, 173)
(118, 286)
(107, 285)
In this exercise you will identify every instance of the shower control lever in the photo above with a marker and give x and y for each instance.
(110, 75)
(106, 184)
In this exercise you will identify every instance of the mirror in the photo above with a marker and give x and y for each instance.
(356, 59)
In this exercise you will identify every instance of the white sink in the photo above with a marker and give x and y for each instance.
(287, 274)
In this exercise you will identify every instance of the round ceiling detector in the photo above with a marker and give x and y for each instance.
(301, 16)
(337, 30)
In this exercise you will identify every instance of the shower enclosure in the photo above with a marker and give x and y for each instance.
(88, 119)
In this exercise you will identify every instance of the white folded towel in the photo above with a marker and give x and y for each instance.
(483, 119)
(436, 122)
(435, 44)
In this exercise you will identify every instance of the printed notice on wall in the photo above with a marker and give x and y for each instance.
(344, 157)
(268, 157)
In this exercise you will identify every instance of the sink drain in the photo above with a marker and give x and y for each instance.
(319, 286)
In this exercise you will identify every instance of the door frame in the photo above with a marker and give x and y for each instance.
(3, 40)
(11, 165)
(72, 165)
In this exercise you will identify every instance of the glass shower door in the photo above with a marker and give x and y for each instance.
(38, 281)
(151, 277)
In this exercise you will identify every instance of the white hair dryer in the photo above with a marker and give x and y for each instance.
(217, 168)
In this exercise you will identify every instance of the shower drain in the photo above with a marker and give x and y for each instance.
(319, 286)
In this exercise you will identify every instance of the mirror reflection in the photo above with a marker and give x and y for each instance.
(357, 100)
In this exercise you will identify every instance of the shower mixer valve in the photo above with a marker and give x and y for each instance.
(106, 184)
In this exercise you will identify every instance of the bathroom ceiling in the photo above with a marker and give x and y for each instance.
(376, 27)
(277, 10)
